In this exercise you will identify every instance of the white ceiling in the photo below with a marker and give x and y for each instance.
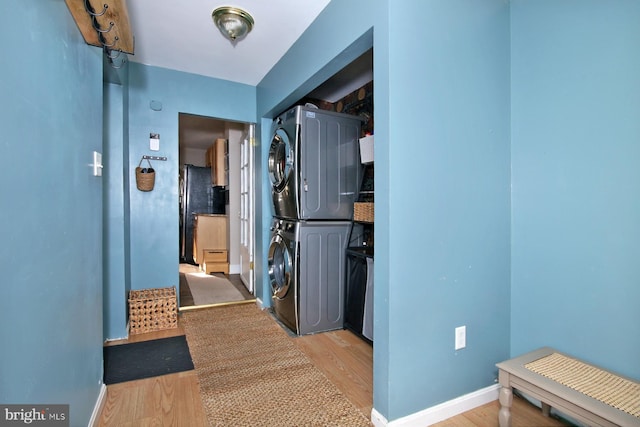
(181, 35)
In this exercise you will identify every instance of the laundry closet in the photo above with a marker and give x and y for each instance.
(320, 168)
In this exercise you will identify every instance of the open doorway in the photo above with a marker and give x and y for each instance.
(214, 187)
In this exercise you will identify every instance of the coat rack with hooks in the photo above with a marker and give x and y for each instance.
(104, 24)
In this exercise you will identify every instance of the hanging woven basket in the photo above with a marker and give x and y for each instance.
(145, 177)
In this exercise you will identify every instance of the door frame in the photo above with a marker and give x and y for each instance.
(247, 208)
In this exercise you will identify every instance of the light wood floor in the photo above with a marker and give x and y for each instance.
(346, 360)
(174, 400)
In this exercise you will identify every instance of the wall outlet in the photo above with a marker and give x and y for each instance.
(461, 337)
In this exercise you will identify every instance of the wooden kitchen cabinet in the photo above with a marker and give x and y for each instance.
(217, 159)
(211, 243)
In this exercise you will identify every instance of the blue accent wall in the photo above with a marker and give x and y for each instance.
(117, 282)
(150, 230)
(442, 184)
(448, 199)
(576, 179)
(51, 210)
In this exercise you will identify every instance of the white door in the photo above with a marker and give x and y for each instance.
(247, 208)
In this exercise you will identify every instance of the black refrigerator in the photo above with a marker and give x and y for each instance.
(197, 196)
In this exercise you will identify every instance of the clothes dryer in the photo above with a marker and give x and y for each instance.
(314, 164)
(306, 262)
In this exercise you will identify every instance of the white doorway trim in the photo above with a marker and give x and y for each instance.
(247, 208)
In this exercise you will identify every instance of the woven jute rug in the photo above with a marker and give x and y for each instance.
(606, 387)
(252, 374)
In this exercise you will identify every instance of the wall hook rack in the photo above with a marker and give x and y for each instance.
(161, 158)
(108, 28)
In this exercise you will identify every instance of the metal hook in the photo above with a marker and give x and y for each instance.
(92, 12)
(108, 53)
(117, 67)
(104, 44)
(97, 28)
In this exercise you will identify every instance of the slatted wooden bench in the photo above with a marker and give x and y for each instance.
(584, 392)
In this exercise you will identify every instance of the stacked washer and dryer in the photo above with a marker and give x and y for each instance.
(315, 174)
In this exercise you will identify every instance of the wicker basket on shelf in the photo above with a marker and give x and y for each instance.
(363, 211)
(152, 310)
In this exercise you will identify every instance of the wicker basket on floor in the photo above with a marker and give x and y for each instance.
(152, 310)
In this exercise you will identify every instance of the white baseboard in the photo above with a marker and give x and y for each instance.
(377, 419)
(234, 269)
(97, 409)
(440, 412)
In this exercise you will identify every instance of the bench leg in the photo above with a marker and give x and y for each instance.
(506, 400)
(546, 409)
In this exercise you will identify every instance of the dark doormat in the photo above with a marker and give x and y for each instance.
(127, 362)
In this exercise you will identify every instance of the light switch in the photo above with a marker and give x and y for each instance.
(154, 142)
(97, 164)
(461, 337)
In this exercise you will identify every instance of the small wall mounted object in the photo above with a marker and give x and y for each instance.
(154, 141)
(97, 164)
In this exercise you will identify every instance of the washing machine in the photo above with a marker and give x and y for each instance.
(314, 164)
(306, 263)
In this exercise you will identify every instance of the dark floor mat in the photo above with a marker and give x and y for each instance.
(146, 359)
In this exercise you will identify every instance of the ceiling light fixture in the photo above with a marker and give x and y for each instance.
(234, 23)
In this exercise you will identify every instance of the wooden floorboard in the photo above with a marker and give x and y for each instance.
(344, 358)
(167, 400)
(523, 414)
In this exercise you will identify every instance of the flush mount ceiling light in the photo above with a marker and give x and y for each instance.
(234, 23)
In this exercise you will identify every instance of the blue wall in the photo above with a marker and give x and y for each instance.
(150, 227)
(449, 198)
(576, 179)
(442, 184)
(117, 282)
(51, 215)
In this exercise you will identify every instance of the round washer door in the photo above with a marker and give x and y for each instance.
(279, 264)
(280, 160)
